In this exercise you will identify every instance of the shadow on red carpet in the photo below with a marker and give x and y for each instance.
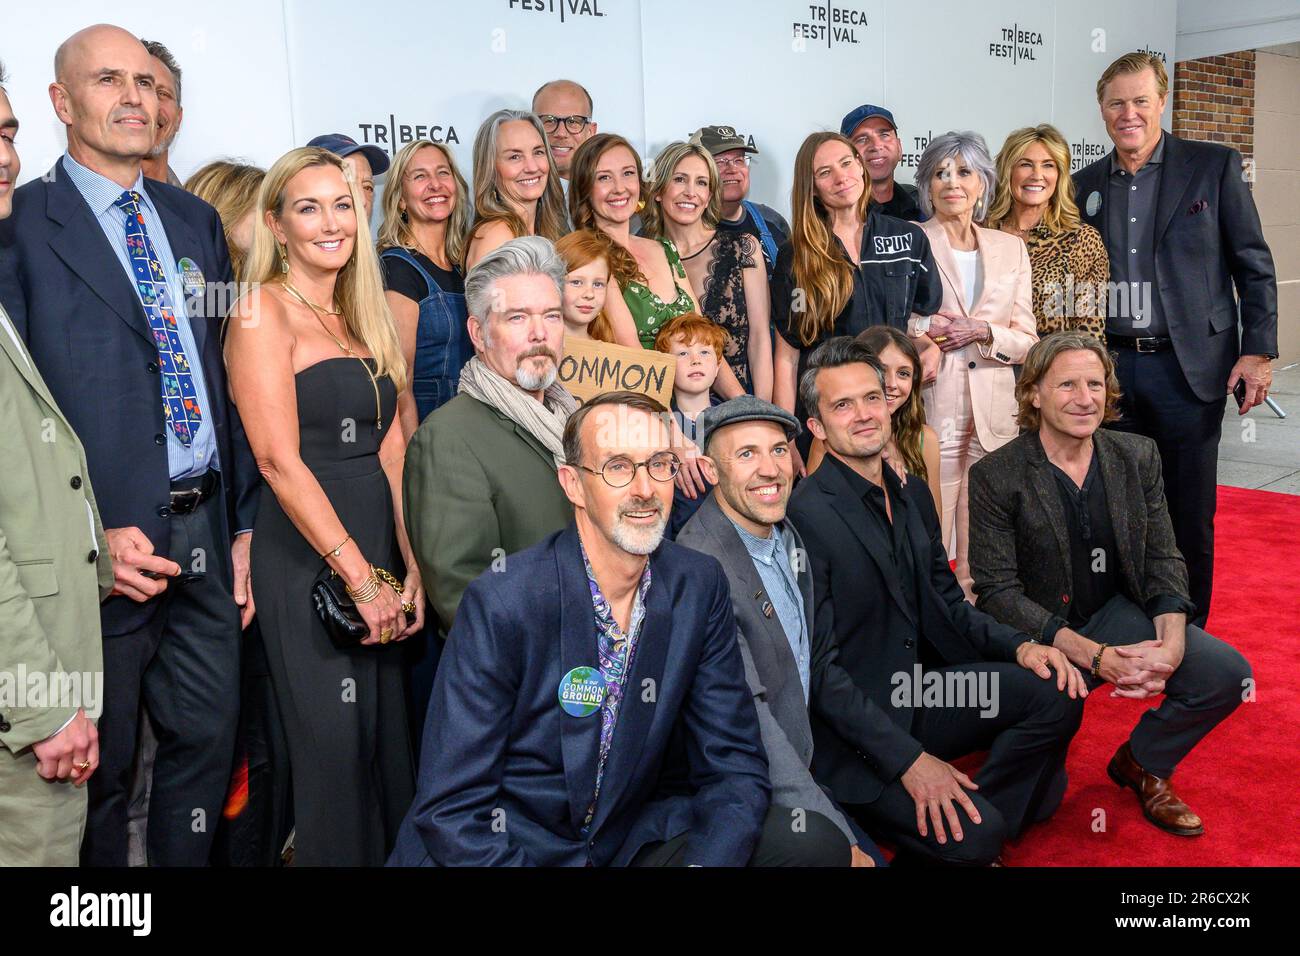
(1244, 778)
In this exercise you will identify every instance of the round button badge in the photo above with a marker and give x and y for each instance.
(582, 691)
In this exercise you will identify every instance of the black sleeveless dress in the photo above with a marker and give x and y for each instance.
(344, 712)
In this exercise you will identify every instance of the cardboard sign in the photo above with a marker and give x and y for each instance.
(589, 368)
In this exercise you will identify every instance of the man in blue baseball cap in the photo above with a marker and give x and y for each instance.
(367, 162)
(874, 135)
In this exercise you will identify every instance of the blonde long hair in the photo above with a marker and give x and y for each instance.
(662, 171)
(396, 230)
(1061, 214)
(824, 275)
(491, 206)
(358, 289)
(230, 188)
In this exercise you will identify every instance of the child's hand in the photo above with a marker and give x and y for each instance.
(691, 479)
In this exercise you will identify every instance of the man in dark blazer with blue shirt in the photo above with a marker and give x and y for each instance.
(113, 282)
(749, 458)
(568, 675)
(1182, 234)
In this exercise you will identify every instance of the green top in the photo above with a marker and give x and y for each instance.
(651, 313)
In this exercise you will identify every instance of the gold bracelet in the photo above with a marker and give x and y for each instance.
(367, 591)
(335, 551)
(1096, 661)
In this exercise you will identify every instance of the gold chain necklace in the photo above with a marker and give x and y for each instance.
(320, 311)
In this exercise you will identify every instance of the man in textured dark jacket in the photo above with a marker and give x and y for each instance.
(1071, 543)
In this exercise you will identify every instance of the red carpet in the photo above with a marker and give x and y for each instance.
(1244, 778)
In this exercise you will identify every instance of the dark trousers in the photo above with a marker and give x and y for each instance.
(1208, 686)
(1156, 401)
(1020, 782)
(788, 838)
(184, 666)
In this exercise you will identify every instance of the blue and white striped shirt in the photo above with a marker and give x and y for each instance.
(782, 587)
(102, 194)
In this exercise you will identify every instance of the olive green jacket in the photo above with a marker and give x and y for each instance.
(476, 487)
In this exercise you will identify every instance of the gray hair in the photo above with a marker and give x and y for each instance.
(841, 350)
(528, 255)
(4, 77)
(967, 147)
(159, 51)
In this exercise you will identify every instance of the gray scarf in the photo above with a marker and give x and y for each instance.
(543, 420)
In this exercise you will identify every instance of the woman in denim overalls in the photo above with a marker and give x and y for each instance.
(426, 220)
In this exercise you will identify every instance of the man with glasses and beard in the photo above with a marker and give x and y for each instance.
(574, 676)
(480, 470)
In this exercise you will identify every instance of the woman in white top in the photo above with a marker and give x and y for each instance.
(984, 327)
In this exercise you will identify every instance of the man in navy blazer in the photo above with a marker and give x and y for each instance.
(597, 628)
(1183, 236)
(170, 502)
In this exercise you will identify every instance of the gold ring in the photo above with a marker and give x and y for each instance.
(385, 635)
(83, 766)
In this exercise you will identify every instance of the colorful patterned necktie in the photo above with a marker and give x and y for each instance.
(180, 401)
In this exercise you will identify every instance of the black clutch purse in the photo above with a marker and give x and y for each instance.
(338, 612)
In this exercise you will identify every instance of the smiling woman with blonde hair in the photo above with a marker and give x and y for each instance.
(1035, 201)
(315, 369)
(421, 243)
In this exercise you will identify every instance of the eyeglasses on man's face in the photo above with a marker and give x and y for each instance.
(619, 471)
(738, 162)
(574, 124)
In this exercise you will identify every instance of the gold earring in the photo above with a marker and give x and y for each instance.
(284, 258)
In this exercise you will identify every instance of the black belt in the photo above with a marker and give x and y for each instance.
(189, 493)
(1152, 343)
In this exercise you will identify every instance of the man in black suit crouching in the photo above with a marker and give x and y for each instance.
(1071, 542)
(906, 674)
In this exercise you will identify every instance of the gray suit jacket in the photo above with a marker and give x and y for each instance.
(770, 667)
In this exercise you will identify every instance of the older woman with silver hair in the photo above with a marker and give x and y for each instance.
(984, 328)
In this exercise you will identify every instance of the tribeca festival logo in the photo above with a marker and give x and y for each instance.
(1084, 152)
(562, 8)
(392, 136)
(1017, 44)
(830, 25)
(1154, 52)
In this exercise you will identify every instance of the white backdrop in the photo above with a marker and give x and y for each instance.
(261, 76)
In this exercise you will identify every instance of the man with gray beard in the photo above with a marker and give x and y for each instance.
(574, 677)
(480, 471)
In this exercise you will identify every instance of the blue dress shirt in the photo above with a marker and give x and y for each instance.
(101, 194)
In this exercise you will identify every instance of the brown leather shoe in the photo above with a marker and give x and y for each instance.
(1160, 804)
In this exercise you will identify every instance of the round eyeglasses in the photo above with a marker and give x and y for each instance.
(574, 124)
(619, 471)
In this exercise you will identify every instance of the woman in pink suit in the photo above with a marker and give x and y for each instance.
(984, 327)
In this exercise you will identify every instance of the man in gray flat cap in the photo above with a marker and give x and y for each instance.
(747, 450)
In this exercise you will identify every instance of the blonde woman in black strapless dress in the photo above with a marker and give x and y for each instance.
(315, 370)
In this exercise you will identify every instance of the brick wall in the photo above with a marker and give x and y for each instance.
(1214, 100)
